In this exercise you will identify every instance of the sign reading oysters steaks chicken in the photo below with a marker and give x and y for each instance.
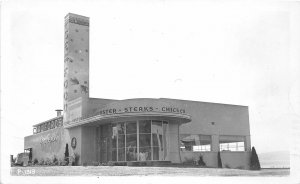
(142, 109)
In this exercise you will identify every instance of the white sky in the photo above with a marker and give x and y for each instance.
(245, 54)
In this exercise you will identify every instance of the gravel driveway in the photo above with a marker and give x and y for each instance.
(139, 171)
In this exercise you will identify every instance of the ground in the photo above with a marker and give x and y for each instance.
(140, 171)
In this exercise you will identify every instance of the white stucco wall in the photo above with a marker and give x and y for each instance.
(173, 143)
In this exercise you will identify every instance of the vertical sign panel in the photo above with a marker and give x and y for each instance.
(76, 60)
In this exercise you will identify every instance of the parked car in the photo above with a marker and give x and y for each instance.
(24, 158)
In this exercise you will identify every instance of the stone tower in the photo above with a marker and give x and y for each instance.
(76, 60)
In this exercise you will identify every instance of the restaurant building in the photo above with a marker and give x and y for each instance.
(135, 130)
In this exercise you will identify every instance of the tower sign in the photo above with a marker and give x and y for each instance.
(76, 59)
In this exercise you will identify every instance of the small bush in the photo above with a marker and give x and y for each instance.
(71, 160)
(66, 160)
(219, 160)
(64, 163)
(42, 162)
(103, 164)
(201, 162)
(67, 154)
(254, 162)
(110, 163)
(59, 162)
(35, 161)
(48, 161)
(54, 161)
(76, 158)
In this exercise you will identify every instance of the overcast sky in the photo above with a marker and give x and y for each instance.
(231, 53)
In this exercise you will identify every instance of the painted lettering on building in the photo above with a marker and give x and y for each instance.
(48, 139)
(138, 109)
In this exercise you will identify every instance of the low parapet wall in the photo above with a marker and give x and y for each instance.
(234, 160)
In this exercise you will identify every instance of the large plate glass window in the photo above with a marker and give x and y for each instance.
(195, 142)
(134, 141)
(232, 143)
(121, 141)
(157, 142)
(131, 141)
(144, 140)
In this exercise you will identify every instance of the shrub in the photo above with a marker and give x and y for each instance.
(60, 161)
(110, 163)
(219, 160)
(67, 154)
(201, 162)
(35, 161)
(76, 159)
(64, 163)
(48, 161)
(66, 160)
(254, 162)
(71, 161)
(103, 164)
(54, 161)
(41, 162)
